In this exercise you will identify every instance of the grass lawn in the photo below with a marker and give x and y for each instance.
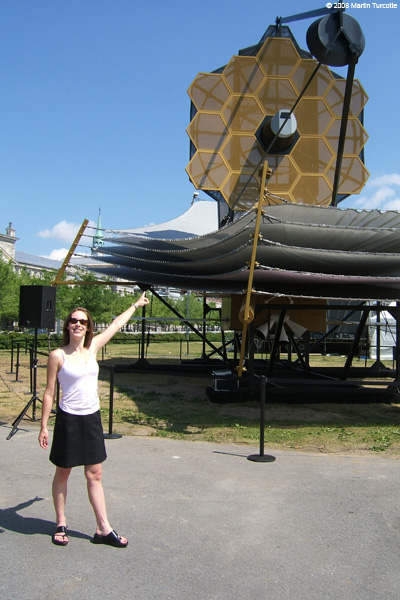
(170, 405)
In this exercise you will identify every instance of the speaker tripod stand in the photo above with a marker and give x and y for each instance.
(34, 399)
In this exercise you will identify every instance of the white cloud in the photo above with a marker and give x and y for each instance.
(392, 179)
(58, 254)
(380, 193)
(63, 231)
(66, 232)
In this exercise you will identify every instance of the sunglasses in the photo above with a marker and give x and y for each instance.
(74, 321)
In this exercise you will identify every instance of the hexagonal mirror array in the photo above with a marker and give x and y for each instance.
(234, 105)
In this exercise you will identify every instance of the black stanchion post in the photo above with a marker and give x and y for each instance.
(12, 356)
(262, 457)
(31, 369)
(34, 368)
(110, 435)
(17, 363)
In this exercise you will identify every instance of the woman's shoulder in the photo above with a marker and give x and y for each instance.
(56, 355)
(55, 361)
(57, 351)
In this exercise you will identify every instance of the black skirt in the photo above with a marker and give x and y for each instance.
(77, 440)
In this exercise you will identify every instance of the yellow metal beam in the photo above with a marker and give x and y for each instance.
(76, 241)
(248, 314)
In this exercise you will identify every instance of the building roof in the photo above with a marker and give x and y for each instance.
(23, 258)
(199, 219)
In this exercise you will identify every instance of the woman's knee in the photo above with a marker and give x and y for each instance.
(94, 472)
(61, 475)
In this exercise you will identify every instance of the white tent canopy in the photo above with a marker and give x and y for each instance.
(386, 324)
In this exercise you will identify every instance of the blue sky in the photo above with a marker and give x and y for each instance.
(94, 107)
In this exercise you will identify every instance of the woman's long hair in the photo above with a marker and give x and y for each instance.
(89, 327)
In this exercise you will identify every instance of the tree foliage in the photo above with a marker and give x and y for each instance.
(103, 301)
(10, 283)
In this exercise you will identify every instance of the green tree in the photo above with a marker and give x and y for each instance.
(101, 300)
(10, 282)
(190, 306)
(91, 296)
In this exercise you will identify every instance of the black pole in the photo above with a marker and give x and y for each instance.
(110, 435)
(17, 363)
(203, 354)
(378, 332)
(12, 356)
(262, 457)
(397, 350)
(31, 369)
(343, 129)
(143, 338)
(35, 363)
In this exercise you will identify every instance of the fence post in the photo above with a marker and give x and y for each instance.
(12, 356)
(110, 435)
(17, 363)
(261, 457)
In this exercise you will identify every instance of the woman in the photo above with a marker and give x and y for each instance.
(78, 434)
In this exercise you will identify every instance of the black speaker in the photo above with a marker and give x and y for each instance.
(37, 306)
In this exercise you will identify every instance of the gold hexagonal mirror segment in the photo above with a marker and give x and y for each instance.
(356, 136)
(318, 84)
(242, 152)
(207, 131)
(312, 189)
(284, 175)
(207, 170)
(275, 94)
(313, 117)
(241, 190)
(243, 75)
(243, 114)
(278, 56)
(311, 155)
(208, 92)
(334, 96)
(353, 175)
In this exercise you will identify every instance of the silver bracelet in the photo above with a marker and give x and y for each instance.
(135, 305)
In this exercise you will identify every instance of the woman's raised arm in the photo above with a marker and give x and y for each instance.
(103, 338)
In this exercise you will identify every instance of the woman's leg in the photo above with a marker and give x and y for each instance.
(59, 489)
(93, 474)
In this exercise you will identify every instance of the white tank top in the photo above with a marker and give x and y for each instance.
(79, 386)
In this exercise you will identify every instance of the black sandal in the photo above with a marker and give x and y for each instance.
(61, 531)
(112, 539)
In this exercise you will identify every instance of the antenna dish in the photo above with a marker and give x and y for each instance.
(336, 40)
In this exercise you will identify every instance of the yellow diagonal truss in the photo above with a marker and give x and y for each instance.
(248, 314)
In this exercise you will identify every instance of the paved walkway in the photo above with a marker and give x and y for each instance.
(204, 523)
